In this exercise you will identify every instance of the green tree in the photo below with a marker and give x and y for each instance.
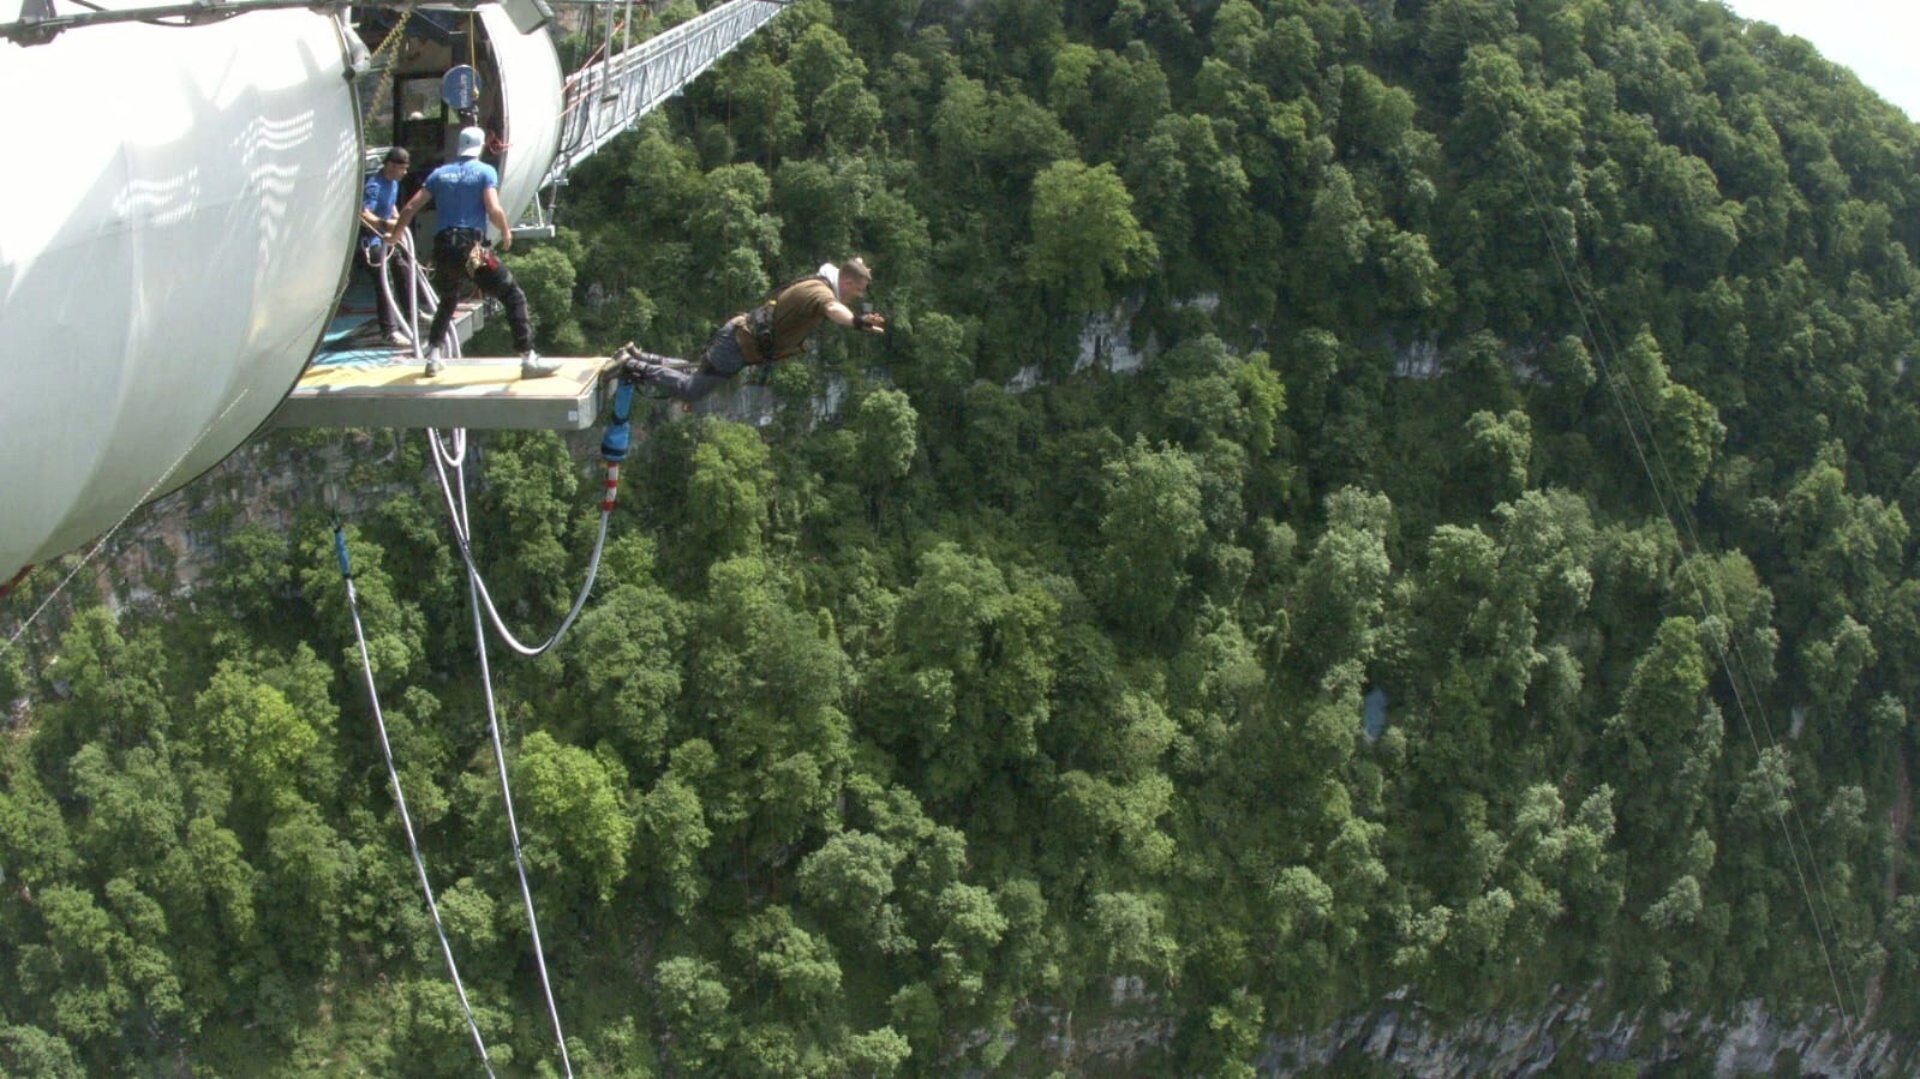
(1151, 527)
(1085, 238)
(970, 927)
(521, 527)
(768, 108)
(851, 879)
(576, 822)
(431, 1037)
(769, 688)
(967, 685)
(303, 888)
(786, 961)
(546, 273)
(817, 211)
(1130, 929)
(877, 1054)
(732, 236)
(253, 732)
(1664, 743)
(1341, 604)
(622, 664)
(395, 627)
(886, 427)
(27, 1051)
(694, 1012)
(673, 834)
(727, 501)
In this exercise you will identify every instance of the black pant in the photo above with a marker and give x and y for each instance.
(450, 250)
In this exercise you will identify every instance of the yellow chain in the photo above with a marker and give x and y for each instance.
(389, 45)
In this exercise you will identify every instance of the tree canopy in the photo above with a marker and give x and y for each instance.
(1355, 496)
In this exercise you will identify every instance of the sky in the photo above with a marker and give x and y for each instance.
(1878, 39)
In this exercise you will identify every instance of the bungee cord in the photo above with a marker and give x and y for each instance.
(449, 452)
(444, 459)
(421, 290)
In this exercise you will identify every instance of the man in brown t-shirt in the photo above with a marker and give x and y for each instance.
(776, 330)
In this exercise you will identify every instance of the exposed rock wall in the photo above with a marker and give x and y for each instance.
(1400, 1036)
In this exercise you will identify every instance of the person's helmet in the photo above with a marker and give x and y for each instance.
(472, 141)
(398, 156)
(856, 267)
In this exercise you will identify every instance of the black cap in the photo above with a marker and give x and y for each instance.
(399, 156)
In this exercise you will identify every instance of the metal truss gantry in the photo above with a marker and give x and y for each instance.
(610, 95)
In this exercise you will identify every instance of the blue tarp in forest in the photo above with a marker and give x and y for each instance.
(1373, 713)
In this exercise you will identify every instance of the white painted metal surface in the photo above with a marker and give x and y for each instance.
(530, 94)
(179, 214)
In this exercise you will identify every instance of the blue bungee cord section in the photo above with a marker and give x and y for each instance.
(400, 798)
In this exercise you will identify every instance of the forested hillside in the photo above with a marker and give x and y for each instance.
(1541, 364)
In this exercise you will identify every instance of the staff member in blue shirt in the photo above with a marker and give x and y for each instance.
(378, 211)
(467, 192)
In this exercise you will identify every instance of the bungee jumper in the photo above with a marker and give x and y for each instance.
(774, 331)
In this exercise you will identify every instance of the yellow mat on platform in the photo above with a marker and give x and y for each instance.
(475, 393)
(496, 376)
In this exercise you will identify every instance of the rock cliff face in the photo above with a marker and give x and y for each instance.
(168, 546)
(1400, 1037)
(1749, 1042)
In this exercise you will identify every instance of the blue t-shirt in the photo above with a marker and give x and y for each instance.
(378, 199)
(460, 193)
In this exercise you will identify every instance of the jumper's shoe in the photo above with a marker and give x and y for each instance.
(641, 368)
(637, 371)
(534, 365)
(434, 364)
(628, 356)
(396, 339)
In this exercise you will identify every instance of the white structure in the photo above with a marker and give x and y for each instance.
(180, 215)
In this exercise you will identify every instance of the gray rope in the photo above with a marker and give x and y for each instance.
(406, 819)
(500, 760)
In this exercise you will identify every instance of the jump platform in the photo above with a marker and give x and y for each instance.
(354, 385)
(478, 394)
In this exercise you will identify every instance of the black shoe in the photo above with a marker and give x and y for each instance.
(644, 368)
